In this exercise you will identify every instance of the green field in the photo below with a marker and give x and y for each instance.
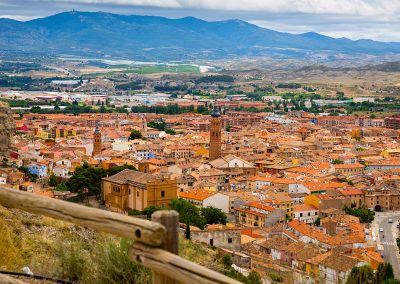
(150, 70)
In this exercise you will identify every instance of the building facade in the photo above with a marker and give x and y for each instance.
(132, 190)
(215, 135)
(97, 145)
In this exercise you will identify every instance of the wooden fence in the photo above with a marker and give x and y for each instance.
(156, 241)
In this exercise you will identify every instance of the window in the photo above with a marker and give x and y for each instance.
(138, 193)
(162, 193)
(229, 240)
(211, 242)
(116, 189)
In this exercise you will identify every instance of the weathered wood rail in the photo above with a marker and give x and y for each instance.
(156, 241)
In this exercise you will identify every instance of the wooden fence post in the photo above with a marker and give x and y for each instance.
(170, 220)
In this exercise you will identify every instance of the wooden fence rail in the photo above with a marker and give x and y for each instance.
(156, 241)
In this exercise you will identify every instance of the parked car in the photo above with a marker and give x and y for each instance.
(390, 221)
(381, 230)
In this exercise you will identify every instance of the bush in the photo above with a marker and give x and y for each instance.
(364, 214)
(113, 265)
(275, 277)
(226, 260)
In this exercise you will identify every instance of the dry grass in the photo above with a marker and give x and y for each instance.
(62, 250)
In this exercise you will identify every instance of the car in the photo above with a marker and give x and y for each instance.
(390, 221)
(381, 230)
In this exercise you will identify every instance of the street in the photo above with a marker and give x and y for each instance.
(387, 238)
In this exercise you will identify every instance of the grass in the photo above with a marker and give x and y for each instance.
(150, 70)
(62, 250)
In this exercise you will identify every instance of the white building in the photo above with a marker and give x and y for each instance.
(122, 146)
(206, 198)
(336, 268)
(272, 98)
(258, 182)
(298, 188)
(61, 171)
(305, 213)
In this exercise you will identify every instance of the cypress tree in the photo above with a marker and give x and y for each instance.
(187, 231)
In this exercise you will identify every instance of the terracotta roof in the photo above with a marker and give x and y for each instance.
(348, 166)
(197, 194)
(130, 175)
(261, 206)
(351, 191)
(304, 207)
(340, 262)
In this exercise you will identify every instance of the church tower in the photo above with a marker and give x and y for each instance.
(215, 134)
(97, 146)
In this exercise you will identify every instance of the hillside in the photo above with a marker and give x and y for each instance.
(147, 37)
(64, 251)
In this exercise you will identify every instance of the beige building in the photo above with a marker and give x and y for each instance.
(382, 199)
(130, 190)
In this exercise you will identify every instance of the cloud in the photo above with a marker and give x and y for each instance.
(348, 7)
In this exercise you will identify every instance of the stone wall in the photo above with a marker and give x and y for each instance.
(227, 239)
(7, 128)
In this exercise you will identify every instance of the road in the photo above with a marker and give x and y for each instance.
(388, 238)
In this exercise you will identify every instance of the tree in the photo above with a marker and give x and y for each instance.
(317, 221)
(103, 109)
(115, 170)
(53, 180)
(337, 162)
(33, 177)
(383, 273)
(135, 134)
(23, 169)
(148, 211)
(188, 213)
(170, 131)
(392, 281)
(86, 177)
(213, 215)
(187, 231)
(364, 214)
(157, 125)
(362, 274)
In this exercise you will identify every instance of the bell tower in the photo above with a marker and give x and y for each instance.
(215, 134)
(97, 145)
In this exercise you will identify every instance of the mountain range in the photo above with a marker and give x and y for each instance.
(150, 37)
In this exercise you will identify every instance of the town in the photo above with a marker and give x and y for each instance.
(295, 195)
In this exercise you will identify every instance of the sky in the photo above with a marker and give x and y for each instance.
(354, 19)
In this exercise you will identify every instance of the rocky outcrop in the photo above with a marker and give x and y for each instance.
(7, 128)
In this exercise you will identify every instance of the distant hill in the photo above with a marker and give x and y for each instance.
(383, 67)
(158, 38)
